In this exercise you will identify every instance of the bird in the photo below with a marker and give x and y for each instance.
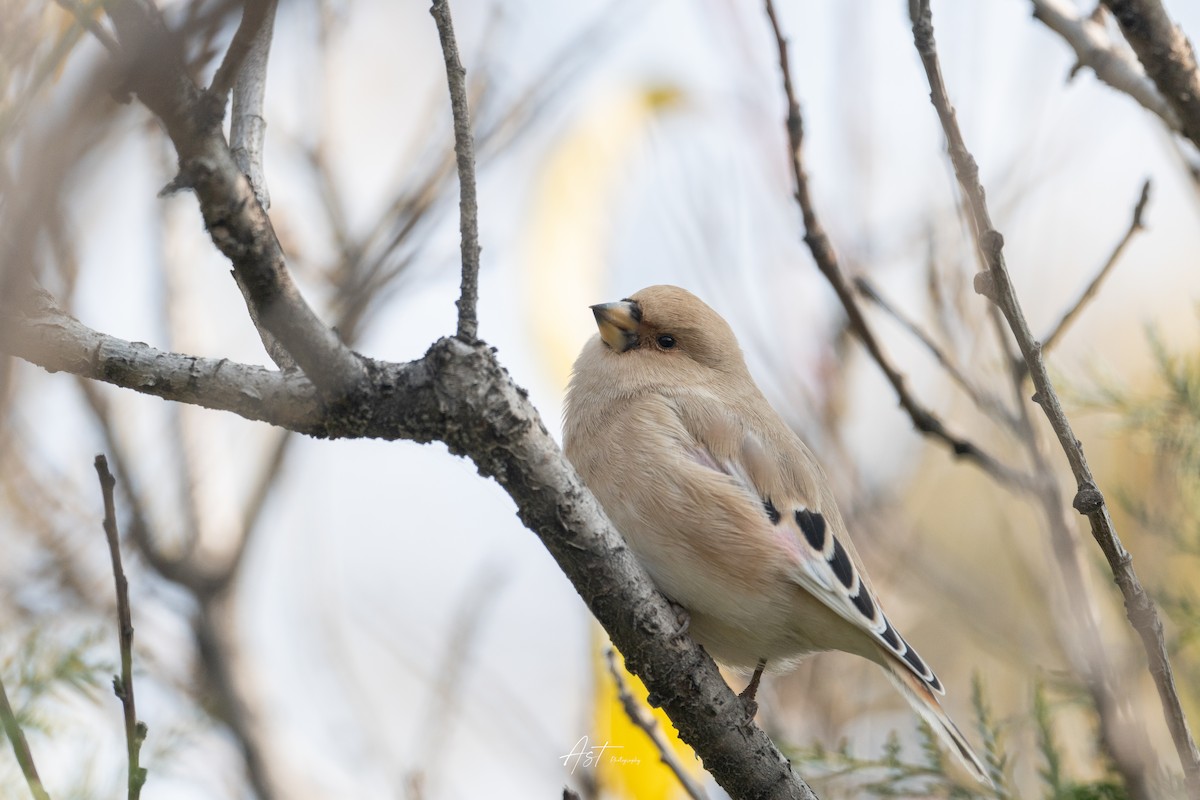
(724, 505)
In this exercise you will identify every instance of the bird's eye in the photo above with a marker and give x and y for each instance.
(666, 341)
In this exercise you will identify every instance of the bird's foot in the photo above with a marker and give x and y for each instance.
(682, 617)
(751, 691)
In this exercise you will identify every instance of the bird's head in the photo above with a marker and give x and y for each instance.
(667, 330)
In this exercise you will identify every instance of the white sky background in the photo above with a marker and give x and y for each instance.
(369, 549)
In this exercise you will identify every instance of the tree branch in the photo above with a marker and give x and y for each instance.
(1071, 313)
(983, 400)
(46, 336)
(247, 125)
(20, 747)
(135, 731)
(996, 285)
(237, 224)
(464, 151)
(1166, 55)
(85, 16)
(1112, 64)
(823, 253)
(257, 15)
(431, 400)
(649, 725)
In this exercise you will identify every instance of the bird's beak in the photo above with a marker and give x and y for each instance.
(618, 323)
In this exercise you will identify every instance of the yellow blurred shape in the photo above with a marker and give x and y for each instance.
(566, 246)
(633, 768)
(567, 233)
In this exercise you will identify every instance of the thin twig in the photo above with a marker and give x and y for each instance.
(20, 747)
(985, 401)
(1078, 629)
(996, 284)
(85, 16)
(818, 243)
(1113, 64)
(135, 731)
(641, 718)
(1134, 226)
(1166, 55)
(464, 151)
(247, 124)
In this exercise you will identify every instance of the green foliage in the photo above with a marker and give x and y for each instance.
(1165, 420)
(43, 667)
(839, 773)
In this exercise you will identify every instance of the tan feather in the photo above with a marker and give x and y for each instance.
(726, 507)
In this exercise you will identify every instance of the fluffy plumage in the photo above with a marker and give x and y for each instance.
(725, 506)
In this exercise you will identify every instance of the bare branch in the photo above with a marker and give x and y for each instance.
(247, 125)
(642, 719)
(20, 747)
(84, 15)
(996, 285)
(1071, 313)
(135, 731)
(256, 15)
(1166, 55)
(823, 253)
(429, 400)
(1112, 63)
(983, 400)
(58, 342)
(238, 225)
(464, 151)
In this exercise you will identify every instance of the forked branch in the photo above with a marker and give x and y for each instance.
(996, 284)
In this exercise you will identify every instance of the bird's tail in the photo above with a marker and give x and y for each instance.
(925, 703)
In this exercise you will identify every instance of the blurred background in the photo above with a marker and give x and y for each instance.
(384, 627)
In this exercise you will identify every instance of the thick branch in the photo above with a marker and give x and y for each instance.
(823, 253)
(135, 731)
(996, 285)
(1166, 55)
(1112, 64)
(640, 716)
(238, 225)
(54, 340)
(464, 152)
(460, 395)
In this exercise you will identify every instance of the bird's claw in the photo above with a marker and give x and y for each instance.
(682, 617)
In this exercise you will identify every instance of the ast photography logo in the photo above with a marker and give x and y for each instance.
(589, 756)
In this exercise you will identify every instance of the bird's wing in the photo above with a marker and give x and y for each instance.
(791, 488)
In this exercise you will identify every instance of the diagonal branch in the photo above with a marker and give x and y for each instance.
(644, 720)
(464, 152)
(135, 730)
(1166, 55)
(996, 284)
(257, 15)
(1112, 64)
(236, 222)
(247, 125)
(823, 253)
(461, 395)
(16, 737)
(1071, 313)
(983, 400)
